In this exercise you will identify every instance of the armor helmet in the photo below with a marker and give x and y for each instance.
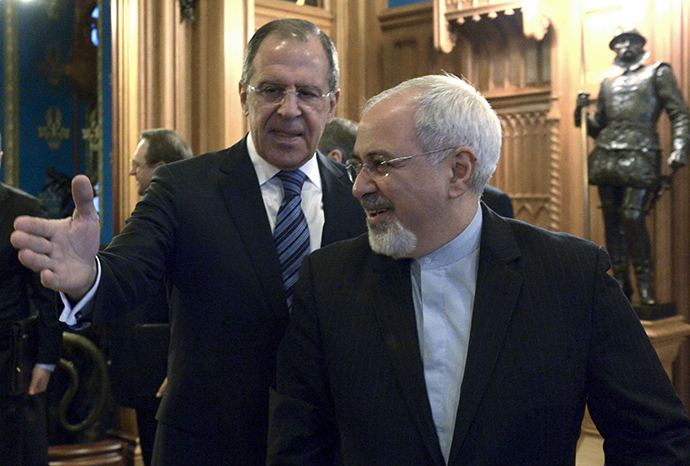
(626, 32)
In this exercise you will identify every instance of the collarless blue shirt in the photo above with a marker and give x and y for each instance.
(443, 289)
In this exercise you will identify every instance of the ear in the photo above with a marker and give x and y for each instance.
(158, 164)
(463, 163)
(243, 99)
(336, 155)
(333, 103)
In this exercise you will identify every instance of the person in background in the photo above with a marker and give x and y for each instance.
(139, 340)
(156, 148)
(452, 335)
(23, 422)
(217, 226)
(338, 139)
(498, 201)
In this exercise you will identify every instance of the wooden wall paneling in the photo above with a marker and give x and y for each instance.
(557, 60)
(373, 25)
(407, 41)
(268, 10)
(679, 198)
(219, 37)
(126, 100)
(681, 210)
(350, 36)
(664, 47)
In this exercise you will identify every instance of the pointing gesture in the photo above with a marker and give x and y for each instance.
(64, 250)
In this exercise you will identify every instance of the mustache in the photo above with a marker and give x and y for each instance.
(373, 202)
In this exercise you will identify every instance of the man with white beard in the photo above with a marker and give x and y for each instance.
(452, 335)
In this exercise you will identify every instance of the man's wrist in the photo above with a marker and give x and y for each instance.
(76, 296)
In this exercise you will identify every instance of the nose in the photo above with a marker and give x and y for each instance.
(363, 185)
(288, 106)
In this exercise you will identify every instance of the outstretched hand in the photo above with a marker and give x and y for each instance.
(64, 250)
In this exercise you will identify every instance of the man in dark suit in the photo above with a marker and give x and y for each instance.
(206, 224)
(139, 340)
(23, 431)
(452, 335)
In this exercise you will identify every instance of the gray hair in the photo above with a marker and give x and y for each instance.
(165, 145)
(452, 113)
(296, 29)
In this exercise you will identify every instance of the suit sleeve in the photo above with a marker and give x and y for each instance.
(45, 301)
(302, 427)
(630, 397)
(133, 266)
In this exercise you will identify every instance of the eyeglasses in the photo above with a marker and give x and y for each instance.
(272, 94)
(378, 168)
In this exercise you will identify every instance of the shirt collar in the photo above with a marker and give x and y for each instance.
(458, 248)
(265, 171)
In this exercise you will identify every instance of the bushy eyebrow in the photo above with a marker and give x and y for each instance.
(311, 87)
(373, 154)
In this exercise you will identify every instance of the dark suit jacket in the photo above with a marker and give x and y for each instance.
(138, 353)
(202, 225)
(550, 331)
(20, 288)
(498, 201)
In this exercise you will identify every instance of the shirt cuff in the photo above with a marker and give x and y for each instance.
(48, 367)
(71, 315)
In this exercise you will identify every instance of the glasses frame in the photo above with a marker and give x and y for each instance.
(261, 94)
(354, 166)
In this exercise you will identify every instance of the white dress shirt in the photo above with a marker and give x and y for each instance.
(272, 193)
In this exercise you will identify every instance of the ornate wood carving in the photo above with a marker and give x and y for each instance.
(535, 23)
(529, 168)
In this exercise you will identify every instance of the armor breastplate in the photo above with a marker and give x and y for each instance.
(632, 111)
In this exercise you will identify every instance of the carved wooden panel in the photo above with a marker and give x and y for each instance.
(529, 168)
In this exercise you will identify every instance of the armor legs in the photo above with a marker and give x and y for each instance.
(627, 239)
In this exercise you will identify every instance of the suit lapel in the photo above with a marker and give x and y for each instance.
(392, 300)
(498, 285)
(240, 189)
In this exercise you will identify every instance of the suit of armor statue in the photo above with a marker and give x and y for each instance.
(625, 164)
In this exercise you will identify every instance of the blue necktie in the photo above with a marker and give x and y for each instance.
(291, 232)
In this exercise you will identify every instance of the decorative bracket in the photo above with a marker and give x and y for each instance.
(450, 12)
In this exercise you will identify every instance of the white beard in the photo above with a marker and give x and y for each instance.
(392, 239)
